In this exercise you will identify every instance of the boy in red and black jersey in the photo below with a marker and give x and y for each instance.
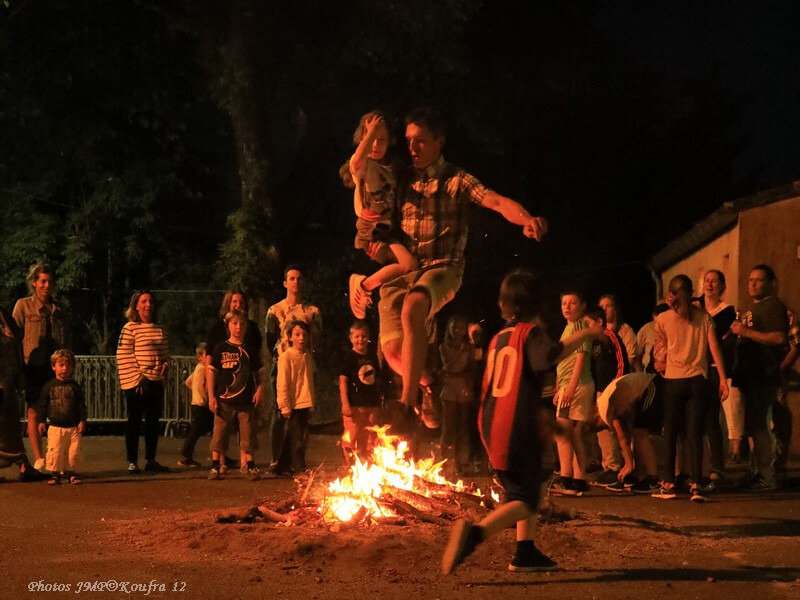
(513, 423)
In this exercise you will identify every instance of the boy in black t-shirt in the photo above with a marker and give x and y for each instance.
(234, 390)
(359, 390)
(62, 403)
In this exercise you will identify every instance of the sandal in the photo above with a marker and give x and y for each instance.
(74, 479)
(54, 480)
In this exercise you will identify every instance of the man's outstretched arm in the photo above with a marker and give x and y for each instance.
(514, 212)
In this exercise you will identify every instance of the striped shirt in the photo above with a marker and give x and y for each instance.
(433, 212)
(142, 351)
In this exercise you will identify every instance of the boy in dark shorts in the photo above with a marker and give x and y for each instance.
(234, 390)
(514, 425)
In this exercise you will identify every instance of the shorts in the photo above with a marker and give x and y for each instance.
(583, 407)
(647, 412)
(440, 284)
(522, 485)
(375, 239)
(223, 422)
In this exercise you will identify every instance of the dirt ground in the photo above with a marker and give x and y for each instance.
(145, 531)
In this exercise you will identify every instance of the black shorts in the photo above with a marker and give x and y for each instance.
(647, 413)
(522, 485)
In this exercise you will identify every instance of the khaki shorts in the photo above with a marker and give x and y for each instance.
(223, 424)
(440, 284)
(583, 404)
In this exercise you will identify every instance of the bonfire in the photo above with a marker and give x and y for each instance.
(388, 486)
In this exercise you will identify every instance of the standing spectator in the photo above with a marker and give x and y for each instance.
(724, 315)
(646, 338)
(457, 395)
(759, 354)
(202, 417)
(574, 401)
(360, 389)
(781, 415)
(291, 308)
(142, 364)
(610, 304)
(45, 329)
(609, 361)
(235, 299)
(12, 380)
(687, 332)
(64, 406)
(295, 397)
(234, 390)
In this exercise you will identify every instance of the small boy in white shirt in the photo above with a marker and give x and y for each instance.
(202, 418)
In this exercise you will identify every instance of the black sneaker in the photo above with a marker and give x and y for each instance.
(31, 474)
(667, 491)
(563, 486)
(581, 488)
(187, 463)
(152, 466)
(529, 562)
(759, 484)
(605, 479)
(697, 494)
(618, 488)
(647, 485)
(464, 538)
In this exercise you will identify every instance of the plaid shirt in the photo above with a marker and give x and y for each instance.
(433, 212)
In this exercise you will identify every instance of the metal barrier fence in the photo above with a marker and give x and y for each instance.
(98, 377)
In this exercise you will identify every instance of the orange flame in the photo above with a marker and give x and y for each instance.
(389, 466)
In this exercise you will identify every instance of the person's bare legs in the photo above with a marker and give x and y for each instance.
(415, 344)
(504, 515)
(579, 450)
(405, 264)
(33, 435)
(564, 435)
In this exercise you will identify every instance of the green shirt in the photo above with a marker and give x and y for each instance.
(567, 365)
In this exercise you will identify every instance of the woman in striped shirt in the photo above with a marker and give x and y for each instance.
(142, 363)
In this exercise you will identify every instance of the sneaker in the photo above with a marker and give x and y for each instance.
(581, 488)
(697, 494)
(647, 485)
(252, 473)
(31, 474)
(618, 487)
(530, 562)
(133, 468)
(39, 465)
(187, 463)
(667, 491)
(223, 469)
(54, 479)
(357, 295)
(682, 483)
(152, 466)
(759, 484)
(214, 473)
(706, 485)
(562, 486)
(605, 479)
(464, 538)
